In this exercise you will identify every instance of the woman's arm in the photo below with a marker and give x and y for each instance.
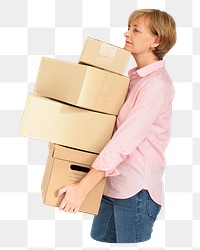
(124, 141)
(150, 101)
(75, 194)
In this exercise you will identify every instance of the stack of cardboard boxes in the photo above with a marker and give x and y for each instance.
(74, 108)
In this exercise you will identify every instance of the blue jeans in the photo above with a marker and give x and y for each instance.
(125, 220)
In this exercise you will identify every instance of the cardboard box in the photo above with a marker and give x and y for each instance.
(81, 85)
(63, 124)
(105, 56)
(67, 166)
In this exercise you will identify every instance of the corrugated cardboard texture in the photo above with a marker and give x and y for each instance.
(59, 172)
(105, 56)
(81, 85)
(66, 125)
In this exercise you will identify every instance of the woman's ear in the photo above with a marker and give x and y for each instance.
(155, 43)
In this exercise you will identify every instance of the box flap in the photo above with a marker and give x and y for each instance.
(74, 155)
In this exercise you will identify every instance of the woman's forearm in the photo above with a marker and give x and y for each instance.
(91, 179)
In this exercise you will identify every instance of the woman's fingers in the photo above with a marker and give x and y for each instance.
(76, 210)
(62, 204)
(69, 209)
(61, 191)
(72, 199)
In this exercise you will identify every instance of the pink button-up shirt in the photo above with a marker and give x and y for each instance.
(134, 157)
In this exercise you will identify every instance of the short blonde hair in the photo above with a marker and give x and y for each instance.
(162, 25)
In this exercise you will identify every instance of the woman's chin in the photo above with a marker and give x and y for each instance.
(127, 48)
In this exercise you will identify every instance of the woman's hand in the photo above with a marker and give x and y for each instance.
(73, 198)
(75, 194)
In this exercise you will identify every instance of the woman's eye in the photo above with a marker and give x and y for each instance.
(135, 30)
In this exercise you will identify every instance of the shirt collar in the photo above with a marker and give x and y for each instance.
(142, 72)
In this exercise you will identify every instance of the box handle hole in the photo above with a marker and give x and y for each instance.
(79, 168)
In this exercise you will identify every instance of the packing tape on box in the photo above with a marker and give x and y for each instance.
(106, 54)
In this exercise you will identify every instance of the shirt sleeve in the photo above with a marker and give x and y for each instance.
(132, 131)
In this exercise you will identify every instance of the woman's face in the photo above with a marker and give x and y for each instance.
(139, 39)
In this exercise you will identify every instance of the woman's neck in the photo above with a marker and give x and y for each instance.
(142, 60)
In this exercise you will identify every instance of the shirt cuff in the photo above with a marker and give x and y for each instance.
(112, 172)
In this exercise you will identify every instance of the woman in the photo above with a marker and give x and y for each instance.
(133, 160)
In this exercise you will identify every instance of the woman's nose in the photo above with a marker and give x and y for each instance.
(126, 34)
